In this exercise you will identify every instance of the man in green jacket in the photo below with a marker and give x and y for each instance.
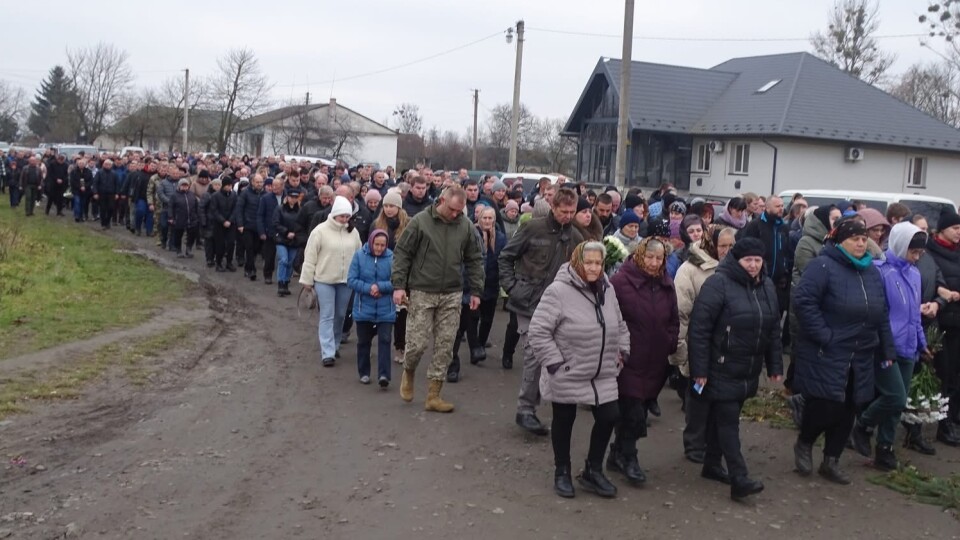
(427, 263)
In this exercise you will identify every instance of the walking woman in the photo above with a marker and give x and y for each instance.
(394, 219)
(648, 302)
(734, 334)
(492, 242)
(373, 307)
(287, 237)
(844, 327)
(326, 261)
(901, 280)
(579, 337)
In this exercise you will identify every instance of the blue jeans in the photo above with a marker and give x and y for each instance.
(285, 257)
(143, 217)
(893, 386)
(365, 334)
(77, 206)
(332, 300)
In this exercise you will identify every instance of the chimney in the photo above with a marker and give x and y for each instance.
(332, 111)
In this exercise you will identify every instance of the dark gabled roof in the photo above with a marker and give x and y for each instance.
(813, 99)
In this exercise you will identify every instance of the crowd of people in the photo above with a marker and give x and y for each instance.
(707, 298)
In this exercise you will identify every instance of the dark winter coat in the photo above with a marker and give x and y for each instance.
(649, 307)
(365, 270)
(948, 260)
(362, 220)
(80, 178)
(413, 207)
(531, 259)
(491, 271)
(205, 220)
(285, 221)
(56, 171)
(222, 205)
(265, 208)
(734, 332)
(245, 211)
(105, 183)
(843, 326)
(137, 185)
(184, 210)
(775, 235)
(308, 211)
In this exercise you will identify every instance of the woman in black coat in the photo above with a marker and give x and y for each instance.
(734, 332)
(844, 335)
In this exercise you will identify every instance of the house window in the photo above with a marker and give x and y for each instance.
(917, 172)
(741, 159)
(703, 158)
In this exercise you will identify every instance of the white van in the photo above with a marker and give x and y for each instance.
(132, 150)
(530, 180)
(929, 207)
(311, 159)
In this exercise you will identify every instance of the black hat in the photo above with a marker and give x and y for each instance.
(919, 241)
(822, 213)
(848, 227)
(203, 174)
(582, 204)
(226, 180)
(632, 201)
(948, 218)
(748, 247)
(292, 192)
(659, 227)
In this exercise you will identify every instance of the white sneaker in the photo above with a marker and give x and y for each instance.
(365, 380)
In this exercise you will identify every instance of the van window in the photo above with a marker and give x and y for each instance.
(841, 202)
(929, 210)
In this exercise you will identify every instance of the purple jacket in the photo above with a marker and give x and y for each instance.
(901, 281)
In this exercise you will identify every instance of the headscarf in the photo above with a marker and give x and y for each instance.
(652, 243)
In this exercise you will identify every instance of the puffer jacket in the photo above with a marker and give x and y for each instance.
(948, 260)
(649, 307)
(166, 189)
(245, 212)
(184, 210)
(844, 327)
(690, 278)
(220, 208)
(366, 270)
(285, 221)
(531, 260)
(901, 281)
(269, 202)
(582, 331)
(328, 254)
(734, 333)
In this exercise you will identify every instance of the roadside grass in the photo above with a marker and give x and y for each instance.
(60, 283)
(769, 406)
(922, 487)
(67, 381)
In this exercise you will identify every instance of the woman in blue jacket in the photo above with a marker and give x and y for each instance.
(844, 337)
(373, 307)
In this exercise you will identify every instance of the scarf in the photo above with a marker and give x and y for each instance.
(861, 263)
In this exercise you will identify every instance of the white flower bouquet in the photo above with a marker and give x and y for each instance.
(925, 404)
(616, 252)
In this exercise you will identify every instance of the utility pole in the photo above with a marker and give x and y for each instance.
(623, 128)
(308, 99)
(476, 101)
(186, 110)
(515, 121)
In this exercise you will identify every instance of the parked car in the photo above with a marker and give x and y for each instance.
(530, 180)
(926, 205)
(72, 150)
(132, 150)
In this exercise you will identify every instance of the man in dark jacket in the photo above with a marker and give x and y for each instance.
(269, 201)
(308, 211)
(137, 181)
(31, 180)
(184, 218)
(427, 263)
(245, 216)
(56, 183)
(604, 210)
(944, 248)
(80, 181)
(417, 199)
(222, 205)
(528, 265)
(770, 229)
(105, 186)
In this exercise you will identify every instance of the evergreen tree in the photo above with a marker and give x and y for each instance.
(53, 115)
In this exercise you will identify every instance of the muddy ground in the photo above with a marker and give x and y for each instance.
(242, 434)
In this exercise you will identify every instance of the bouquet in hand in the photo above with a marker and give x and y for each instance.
(925, 404)
(616, 252)
(934, 337)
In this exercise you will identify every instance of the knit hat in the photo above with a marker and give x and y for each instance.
(183, 182)
(341, 207)
(203, 174)
(678, 207)
(822, 213)
(372, 196)
(393, 199)
(512, 204)
(658, 227)
(948, 218)
(748, 247)
(919, 241)
(848, 227)
(498, 186)
(632, 201)
(292, 192)
(582, 204)
(628, 218)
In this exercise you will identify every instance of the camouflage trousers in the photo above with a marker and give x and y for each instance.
(432, 316)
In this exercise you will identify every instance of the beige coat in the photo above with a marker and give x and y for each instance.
(328, 254)
(690, 277)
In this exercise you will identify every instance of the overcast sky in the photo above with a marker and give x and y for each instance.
(302, 45)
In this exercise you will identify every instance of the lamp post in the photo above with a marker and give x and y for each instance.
(515, 120)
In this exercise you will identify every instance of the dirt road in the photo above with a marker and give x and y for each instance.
(245, 435)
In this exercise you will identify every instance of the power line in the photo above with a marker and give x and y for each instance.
(399, 66)
(703, 39)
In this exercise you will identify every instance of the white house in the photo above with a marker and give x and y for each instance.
(762, 124)
(323, 130)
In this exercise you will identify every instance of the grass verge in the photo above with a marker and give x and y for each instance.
(922, 487)
(59, 283)
(768, 406)
(67, 382)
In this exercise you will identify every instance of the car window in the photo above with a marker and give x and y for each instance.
(929, 210)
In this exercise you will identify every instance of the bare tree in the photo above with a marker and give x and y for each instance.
(137, 113)
(848, 42)
(11, 110)
(169, 100)
(498, 133)
(932, 89)
(560, 151)
(100, 75)
(942, 19)
(300, 131)
(341, 139)
(239, 90)
(408, 118)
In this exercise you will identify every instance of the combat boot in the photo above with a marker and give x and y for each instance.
(406, 385)
(434, 402)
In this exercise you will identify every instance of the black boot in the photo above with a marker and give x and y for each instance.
(947, 434)
(453, 372)
(562, 482)
(506, 360)
(477, 355)
(530, 422)
(862, 436)
(615, 459)
(592, 479)
(632, 471)
(914, 440)
(715, 472)
(885, 459)
(742, 487)
(830, 469)
(803, 458)
(281, 289)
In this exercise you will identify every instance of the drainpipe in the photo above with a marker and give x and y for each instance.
(773, 177)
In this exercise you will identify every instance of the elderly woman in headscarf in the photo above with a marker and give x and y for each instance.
(648, 302)
(677, 212)
(580, 339)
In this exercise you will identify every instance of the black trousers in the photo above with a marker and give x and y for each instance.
(947, 366)
(107, 201)
(697, 411)
(224, 239)
(208, 245)
(511, 338)
(564, 414)
(122, 211)
(481, 322)
(632, 425)
(400, 330)
(268, 250)
(723, 437)
(833, 419)
(178, 238)
(466, 318)
(55, 199)
(251, 247)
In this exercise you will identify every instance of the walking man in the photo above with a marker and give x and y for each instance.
(105, 186)
(31, 178)
(427, 263)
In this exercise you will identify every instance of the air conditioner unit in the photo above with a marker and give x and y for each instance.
(854, 154)
(716, 147)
